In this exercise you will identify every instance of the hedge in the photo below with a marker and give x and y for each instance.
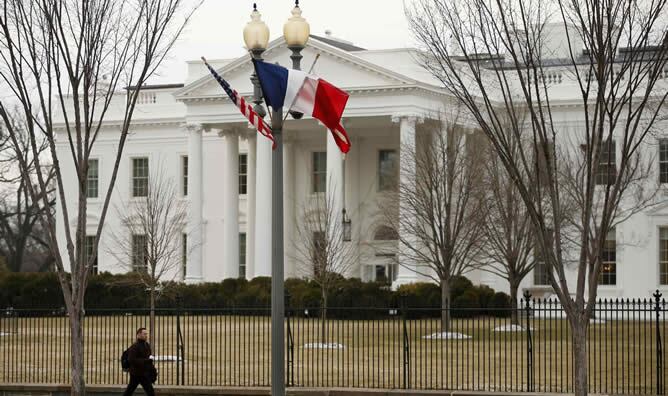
(37, 291)
(466, 299)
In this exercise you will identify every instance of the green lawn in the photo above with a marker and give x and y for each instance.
(235, 350)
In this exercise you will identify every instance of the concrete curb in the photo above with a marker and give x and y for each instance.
(164, 390)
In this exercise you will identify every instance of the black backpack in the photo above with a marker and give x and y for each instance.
(125, 361)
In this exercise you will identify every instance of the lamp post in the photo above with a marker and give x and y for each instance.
(296, 32)
(256, 36)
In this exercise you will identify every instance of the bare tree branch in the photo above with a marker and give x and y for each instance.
(65, 62)
(497, 59)
(157, 222)
(440, 212)
(321, 252)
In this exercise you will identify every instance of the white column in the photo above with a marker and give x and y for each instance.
(195, 231)
(406, 178)
(335, 190)
(334, 171)
(288, 206)
(263, 208)
(352, 198)
(250, 202)
(231, 205)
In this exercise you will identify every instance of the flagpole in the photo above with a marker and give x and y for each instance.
(295, 99)
(277, 260)
(277, 264)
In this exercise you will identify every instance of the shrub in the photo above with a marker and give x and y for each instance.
(459, 285)
(466, 305)
(500, 305)
(302, 293)
(421, 294)
(25, 290)
(485, 296)
(365, 299)
(348, 299)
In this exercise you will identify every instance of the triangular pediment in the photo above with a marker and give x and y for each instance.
(339, 67)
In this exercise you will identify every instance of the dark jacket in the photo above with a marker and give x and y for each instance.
(140, 364)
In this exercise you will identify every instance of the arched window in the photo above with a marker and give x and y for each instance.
(385, 233)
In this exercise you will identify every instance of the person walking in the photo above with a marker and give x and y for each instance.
(142, 371)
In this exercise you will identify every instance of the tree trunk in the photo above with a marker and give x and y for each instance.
(580, 364)
(323, 318)
(514, 317)
(445, 305)
(151, 321)
(77, 353)
(18, 255)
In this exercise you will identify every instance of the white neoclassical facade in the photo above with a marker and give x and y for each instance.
(222, 168)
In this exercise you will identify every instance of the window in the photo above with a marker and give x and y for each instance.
(319, 253)
(541, 271)
(242, 255)
(663, 256)
(663, 161)
(609, 260)
(140, 177)
(139, 253)
(606, 171)
(385, 233)
(184, 175)
(381, 273)
(89, 247)
(184, 254)
(243, 174)
(92, 178)
(319, 172)
(388, 170)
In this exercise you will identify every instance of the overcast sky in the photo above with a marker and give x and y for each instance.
(216, 28)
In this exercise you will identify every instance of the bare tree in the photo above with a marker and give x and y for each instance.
(440, 211)
(22, 239)
(508, 238)
(149, 242)
(321, 252)
(502, 59)
(65, 63)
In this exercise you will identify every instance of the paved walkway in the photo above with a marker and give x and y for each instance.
(115, 390)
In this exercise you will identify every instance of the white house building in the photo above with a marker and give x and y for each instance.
(223, 170)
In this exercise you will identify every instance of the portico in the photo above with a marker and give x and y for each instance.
(383, 115)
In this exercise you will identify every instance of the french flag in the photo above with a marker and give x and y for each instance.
(305, 93)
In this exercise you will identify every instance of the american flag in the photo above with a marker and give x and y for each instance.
(245, 107)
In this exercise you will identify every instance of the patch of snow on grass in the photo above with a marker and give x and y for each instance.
(447, 335)
(321, 345)
(511, 328)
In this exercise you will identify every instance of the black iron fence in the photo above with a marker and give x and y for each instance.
(397, 347)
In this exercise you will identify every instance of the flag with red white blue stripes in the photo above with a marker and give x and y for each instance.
(244, 107)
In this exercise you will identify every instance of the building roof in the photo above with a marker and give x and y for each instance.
(157, 86)
(338, 44)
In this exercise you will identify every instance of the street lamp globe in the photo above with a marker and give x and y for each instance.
(256, 32)
(296, 30)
